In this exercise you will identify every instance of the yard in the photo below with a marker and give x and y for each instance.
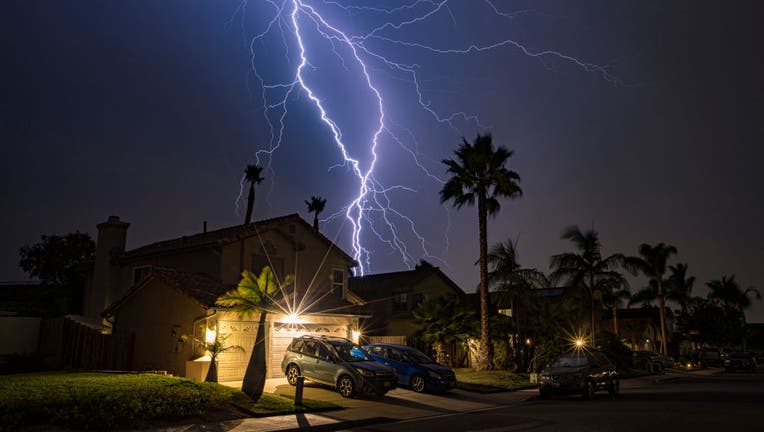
(490, 381)
(114, 400)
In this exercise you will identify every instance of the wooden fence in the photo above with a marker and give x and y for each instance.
(67, 344)
(398, 340)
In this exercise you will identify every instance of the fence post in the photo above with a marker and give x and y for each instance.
(298, 391)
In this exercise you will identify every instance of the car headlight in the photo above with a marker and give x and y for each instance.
(432, 374)
(365, 372)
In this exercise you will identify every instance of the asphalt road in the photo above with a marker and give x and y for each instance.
(719, 403)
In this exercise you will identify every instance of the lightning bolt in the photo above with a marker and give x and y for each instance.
(372, 208)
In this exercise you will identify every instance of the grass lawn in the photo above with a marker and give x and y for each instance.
(89, 400)
(490, 381)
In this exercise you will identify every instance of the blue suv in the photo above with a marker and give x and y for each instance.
(336, 362)
(415, 370)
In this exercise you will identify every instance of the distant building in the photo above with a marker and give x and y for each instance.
(639, 328)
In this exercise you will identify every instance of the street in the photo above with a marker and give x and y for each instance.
(681, 403)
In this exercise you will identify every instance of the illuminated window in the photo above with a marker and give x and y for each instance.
(507, 312)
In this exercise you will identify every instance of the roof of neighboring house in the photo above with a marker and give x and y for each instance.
(373, 287)
(226, 235)
(199, 287)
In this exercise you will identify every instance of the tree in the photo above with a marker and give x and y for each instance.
(478, 174)
(516, 282)
(614, 290)
(316, 205)
(253, 177)
(586, 268)
(727, 291)
(652, 263)
(442, 322)
(215, 348)
(254, 294)
(679, 287)
(61, 263)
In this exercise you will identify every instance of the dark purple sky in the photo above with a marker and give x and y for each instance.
(149, 110)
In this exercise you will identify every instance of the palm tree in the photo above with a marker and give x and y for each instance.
(215, 348)
(586, 268)
(728, 292)
(614, 290)
(252, 175)
(679, 287)
(316, 205)
(508, 277)
(442, 322)
(652, 263)
(478, 173)
(254, 294)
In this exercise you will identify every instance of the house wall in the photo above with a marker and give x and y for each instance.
(313, 274)
(161, 319)
(205, 261)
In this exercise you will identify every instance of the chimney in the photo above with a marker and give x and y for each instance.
(204, 224)
(105, 287)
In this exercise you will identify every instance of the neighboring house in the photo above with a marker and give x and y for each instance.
(392, 297)
(163, 294)
(639, 328)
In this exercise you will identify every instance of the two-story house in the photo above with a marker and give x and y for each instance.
(163, 294)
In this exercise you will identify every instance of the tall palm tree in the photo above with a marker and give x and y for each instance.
(478, 174)
(652, 263)
(614, 290)
(252, 175)
(254, 294)
(728, 292)
(679, 287)
(586, 268)
(316, 205)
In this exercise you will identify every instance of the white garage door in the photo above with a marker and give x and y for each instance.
(282, 335)
(231, 365)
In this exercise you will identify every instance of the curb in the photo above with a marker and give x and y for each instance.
(347, 424)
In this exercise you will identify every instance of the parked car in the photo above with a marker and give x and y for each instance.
(647, 359)
(579, 372)
(710, 356)
(415, 369)
(740, 361)
(339, 363)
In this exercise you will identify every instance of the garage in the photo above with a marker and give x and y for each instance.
(282, 335)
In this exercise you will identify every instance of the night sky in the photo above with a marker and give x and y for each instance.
(150, 110)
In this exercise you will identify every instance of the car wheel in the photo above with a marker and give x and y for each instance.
(588, 391)
(345, 386)
(614, 388)
(417, 383)
(292, 373)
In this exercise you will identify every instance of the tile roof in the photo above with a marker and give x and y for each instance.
(376, 286)
(199, 287)
(224, 236)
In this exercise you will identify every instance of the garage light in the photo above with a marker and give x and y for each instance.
(210, 335)
(293, 318)
(356, 336)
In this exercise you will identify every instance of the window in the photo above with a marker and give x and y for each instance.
(418, 298)
(400, 301)
(507, 312)
(338, 280)
(140, 272)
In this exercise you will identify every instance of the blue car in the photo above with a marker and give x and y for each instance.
(415, 370)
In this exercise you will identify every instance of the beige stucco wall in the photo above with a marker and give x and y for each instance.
(19, 335)
(312, 272)
(161, 318)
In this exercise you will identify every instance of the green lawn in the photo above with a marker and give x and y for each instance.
(490, 381)
(111, 400)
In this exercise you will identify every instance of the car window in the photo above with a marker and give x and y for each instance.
(378, 351)
(571, 360)
(323, 352)
(416, 356)
(395, 354)
(297, 345)
(309, 348)
(351, 352)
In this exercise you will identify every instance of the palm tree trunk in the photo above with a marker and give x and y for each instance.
(254, 377)
(485, 362)
(250, 203)
(662, 305)
(615, 320)
(315, 221)
(212, 373)
(591, 300)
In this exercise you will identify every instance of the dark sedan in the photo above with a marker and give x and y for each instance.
(579, 372)
(415, 370)
(740, 361)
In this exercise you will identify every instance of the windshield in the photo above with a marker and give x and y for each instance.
(571, 360)
(739, 355)
(416, 356)
(351, 353)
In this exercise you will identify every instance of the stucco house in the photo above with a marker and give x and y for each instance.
(163, 294)
(393, 296)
